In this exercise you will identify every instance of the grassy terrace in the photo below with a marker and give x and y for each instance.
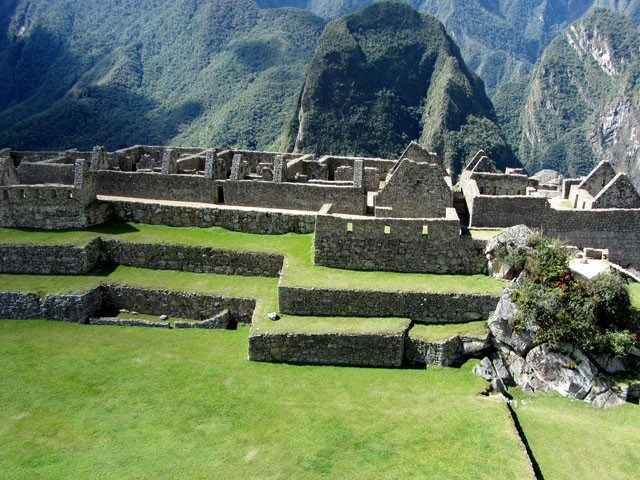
(439, 333)
(571, 439)
(299, 268)
(81, 401)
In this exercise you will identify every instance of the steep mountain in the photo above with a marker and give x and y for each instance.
(119, 72)
(581, 103)
(499, 39)
(386, 75)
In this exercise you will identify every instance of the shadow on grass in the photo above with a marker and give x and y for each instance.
(113, 227)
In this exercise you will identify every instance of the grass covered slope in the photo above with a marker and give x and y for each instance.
(387, 75)
(107, 402)
(119, 73)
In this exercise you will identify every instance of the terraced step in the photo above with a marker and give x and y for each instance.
(355, 341)
(446, 344)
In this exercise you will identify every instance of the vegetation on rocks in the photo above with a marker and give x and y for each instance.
(591, 314)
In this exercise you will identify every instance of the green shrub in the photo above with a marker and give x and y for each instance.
(591, 314)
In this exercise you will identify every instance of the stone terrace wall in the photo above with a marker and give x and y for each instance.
(192, 259)
(295, 196)
(242, 220)
(421, 307)
(404, 249)
(109, 298)
(49, 259)
(180, 187)
(197, 306)
(332, 349)
(18, 305)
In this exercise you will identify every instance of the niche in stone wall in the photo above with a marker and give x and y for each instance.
(425, 229)
(220, 194)
(387, 229)
(349, 227)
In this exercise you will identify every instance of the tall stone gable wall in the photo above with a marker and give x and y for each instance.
(415, 189)
(422, 245)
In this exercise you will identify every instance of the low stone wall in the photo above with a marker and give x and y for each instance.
(421, 307)
(73, 308)
(49, 259)
(181, 187)
(110, 298)
(433, 353)
(240, 220)
(295, 196)
(19, 305)
(127, 322)
(331, 349)
(192, 259)
(198, 306)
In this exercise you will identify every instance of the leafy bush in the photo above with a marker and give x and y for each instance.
(592, 314)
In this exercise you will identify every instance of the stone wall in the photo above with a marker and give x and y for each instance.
(295, 196)
(236, 219)
(500, 184)
(111, 298)
(73, 308)
(19, 305)
(49, 259)
(191, 259)
(197, 306)
(421, 307)
(33, 173)
(373, 350)
(178, 187)
(401, 245)
(616, 229)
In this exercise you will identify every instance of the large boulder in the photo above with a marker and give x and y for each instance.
(512, 238)
(501, 326)
(565, 369)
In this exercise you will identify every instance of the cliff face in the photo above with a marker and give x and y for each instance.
(387, 75)
(581, 103)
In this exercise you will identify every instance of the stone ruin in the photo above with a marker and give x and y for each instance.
(403, 215)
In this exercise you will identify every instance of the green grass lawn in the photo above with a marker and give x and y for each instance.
(298, 249)
(634, 292)
(440, 333)
(82, 401)
(344, 325)
(573, 440)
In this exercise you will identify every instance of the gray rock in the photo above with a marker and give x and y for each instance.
(273, 316)
(615, 364)
(164, 317)
(501, 369)
(571, 374)
(513, 237)
(482, 372)
(607, 399)
(500, 324)
(498, 385)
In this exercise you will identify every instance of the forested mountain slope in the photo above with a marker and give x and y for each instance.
(499, 39)
(387, 75)
(581, 104)
(119, 72)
